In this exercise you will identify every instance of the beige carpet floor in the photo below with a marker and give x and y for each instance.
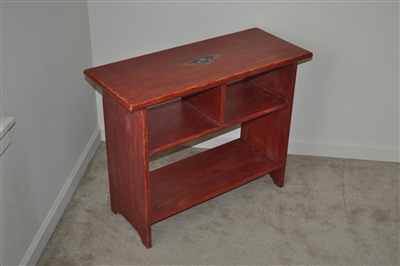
(330, 212)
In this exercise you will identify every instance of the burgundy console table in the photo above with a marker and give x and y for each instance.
(160, 100)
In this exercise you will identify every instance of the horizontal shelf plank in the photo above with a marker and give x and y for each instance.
(245, 100)
(178, 122)
(188, 182)
(175, 123)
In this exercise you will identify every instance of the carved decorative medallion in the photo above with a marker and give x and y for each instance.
(203, 60)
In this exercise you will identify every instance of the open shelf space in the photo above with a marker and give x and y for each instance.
(183, 184)
(175, 123)
(178, 122)
(246, 100)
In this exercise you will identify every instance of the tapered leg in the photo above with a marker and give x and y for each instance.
(127, 156)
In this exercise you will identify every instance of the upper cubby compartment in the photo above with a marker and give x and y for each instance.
(200, 114)
(246, 100)
(174, 123)
(210, 102)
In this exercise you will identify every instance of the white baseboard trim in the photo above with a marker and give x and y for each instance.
(103, 132)
(322, 148)
(346, 150)
(50, 222)
(217, 138)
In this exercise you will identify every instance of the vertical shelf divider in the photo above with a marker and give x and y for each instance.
(210, 102)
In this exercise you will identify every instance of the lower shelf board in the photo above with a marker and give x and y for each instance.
(183, 184)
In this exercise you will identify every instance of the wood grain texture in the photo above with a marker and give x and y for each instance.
(193, 180)
(157, 101)
(245, 101)
(178, 122)
(175, 123)
(162, 76)
(210, 102)
(127, 160)
(270, 133)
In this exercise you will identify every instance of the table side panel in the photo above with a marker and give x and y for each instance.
(127, 158)
(270, 133)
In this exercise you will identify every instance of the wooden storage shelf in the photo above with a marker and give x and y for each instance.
(177, 122)
(181, 185)
(245, 100)
(161, 100)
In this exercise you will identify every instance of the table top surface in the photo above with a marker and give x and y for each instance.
(151, 79)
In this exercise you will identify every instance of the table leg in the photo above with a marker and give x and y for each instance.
(127, 156)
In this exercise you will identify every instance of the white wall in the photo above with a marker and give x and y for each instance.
(347, 97)
(45, 47)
